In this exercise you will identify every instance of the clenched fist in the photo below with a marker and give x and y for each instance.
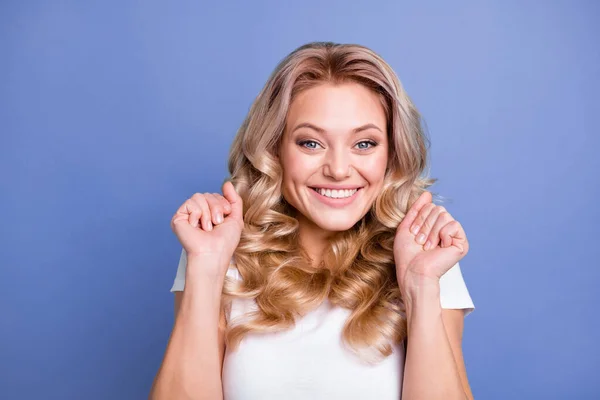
(210, 224)
(428, 242)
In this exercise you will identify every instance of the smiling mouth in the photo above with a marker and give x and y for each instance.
(336, 193)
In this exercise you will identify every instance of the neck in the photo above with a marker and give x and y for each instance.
(313, 239)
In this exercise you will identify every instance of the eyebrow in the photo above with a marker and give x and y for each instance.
(322, 131)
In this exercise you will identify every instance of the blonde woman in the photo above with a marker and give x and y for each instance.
(325, 270)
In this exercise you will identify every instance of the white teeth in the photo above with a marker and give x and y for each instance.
(336, 194)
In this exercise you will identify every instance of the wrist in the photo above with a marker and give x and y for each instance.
(205, 271)
(213, 258)
(415, 283)
(422, 304)
(420, 289)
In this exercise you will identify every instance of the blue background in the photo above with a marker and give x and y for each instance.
(112, 113)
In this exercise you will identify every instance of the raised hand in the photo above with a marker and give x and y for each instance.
(210, 224)
(428, 242)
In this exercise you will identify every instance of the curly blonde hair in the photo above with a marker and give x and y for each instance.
(357, 271)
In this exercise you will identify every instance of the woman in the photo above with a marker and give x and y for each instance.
(325, 270)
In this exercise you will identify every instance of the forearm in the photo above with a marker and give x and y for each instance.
(191, 368)
(430, 371)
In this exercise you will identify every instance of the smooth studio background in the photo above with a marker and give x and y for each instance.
(113, 113)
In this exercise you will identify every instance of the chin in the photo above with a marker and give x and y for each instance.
(336, 225)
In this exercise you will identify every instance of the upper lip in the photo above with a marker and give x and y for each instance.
(344, 187)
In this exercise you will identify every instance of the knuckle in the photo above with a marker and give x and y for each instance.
(208, 199)
(198, 198)
(190, 203)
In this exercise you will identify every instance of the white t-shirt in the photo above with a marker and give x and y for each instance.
(309, 361)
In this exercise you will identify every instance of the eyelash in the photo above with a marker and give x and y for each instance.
(304, 142)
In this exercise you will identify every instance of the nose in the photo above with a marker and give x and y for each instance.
(337, 165)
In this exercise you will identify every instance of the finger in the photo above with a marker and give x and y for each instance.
(419, 227)
(237, 207)
(205, 218)
(188, 212)
(194, 213)
(433, 239)
(446, 238)
(413, 211)
(453, 235)
(216, 208)
(224, 202)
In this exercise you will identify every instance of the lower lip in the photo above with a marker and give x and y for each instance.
(335, 202)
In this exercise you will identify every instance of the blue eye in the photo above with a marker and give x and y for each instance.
(366, 144)
(309, 144)
(313, 145)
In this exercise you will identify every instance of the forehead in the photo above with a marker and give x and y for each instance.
(337, 108)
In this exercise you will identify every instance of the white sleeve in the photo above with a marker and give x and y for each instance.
(179, 282)
(454, 292)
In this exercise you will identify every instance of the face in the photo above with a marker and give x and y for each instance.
(334, 154)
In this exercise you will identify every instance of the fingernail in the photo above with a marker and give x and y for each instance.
(421, 238)
(415, 229)
(219, 218)
(209, 225)
(427, 245)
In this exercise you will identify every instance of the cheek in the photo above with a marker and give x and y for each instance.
(373, 169)
(295, 172)
(298, 168)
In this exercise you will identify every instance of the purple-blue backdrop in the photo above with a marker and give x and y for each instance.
(112, 113)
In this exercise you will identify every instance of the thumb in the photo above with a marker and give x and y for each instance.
(237, 205)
